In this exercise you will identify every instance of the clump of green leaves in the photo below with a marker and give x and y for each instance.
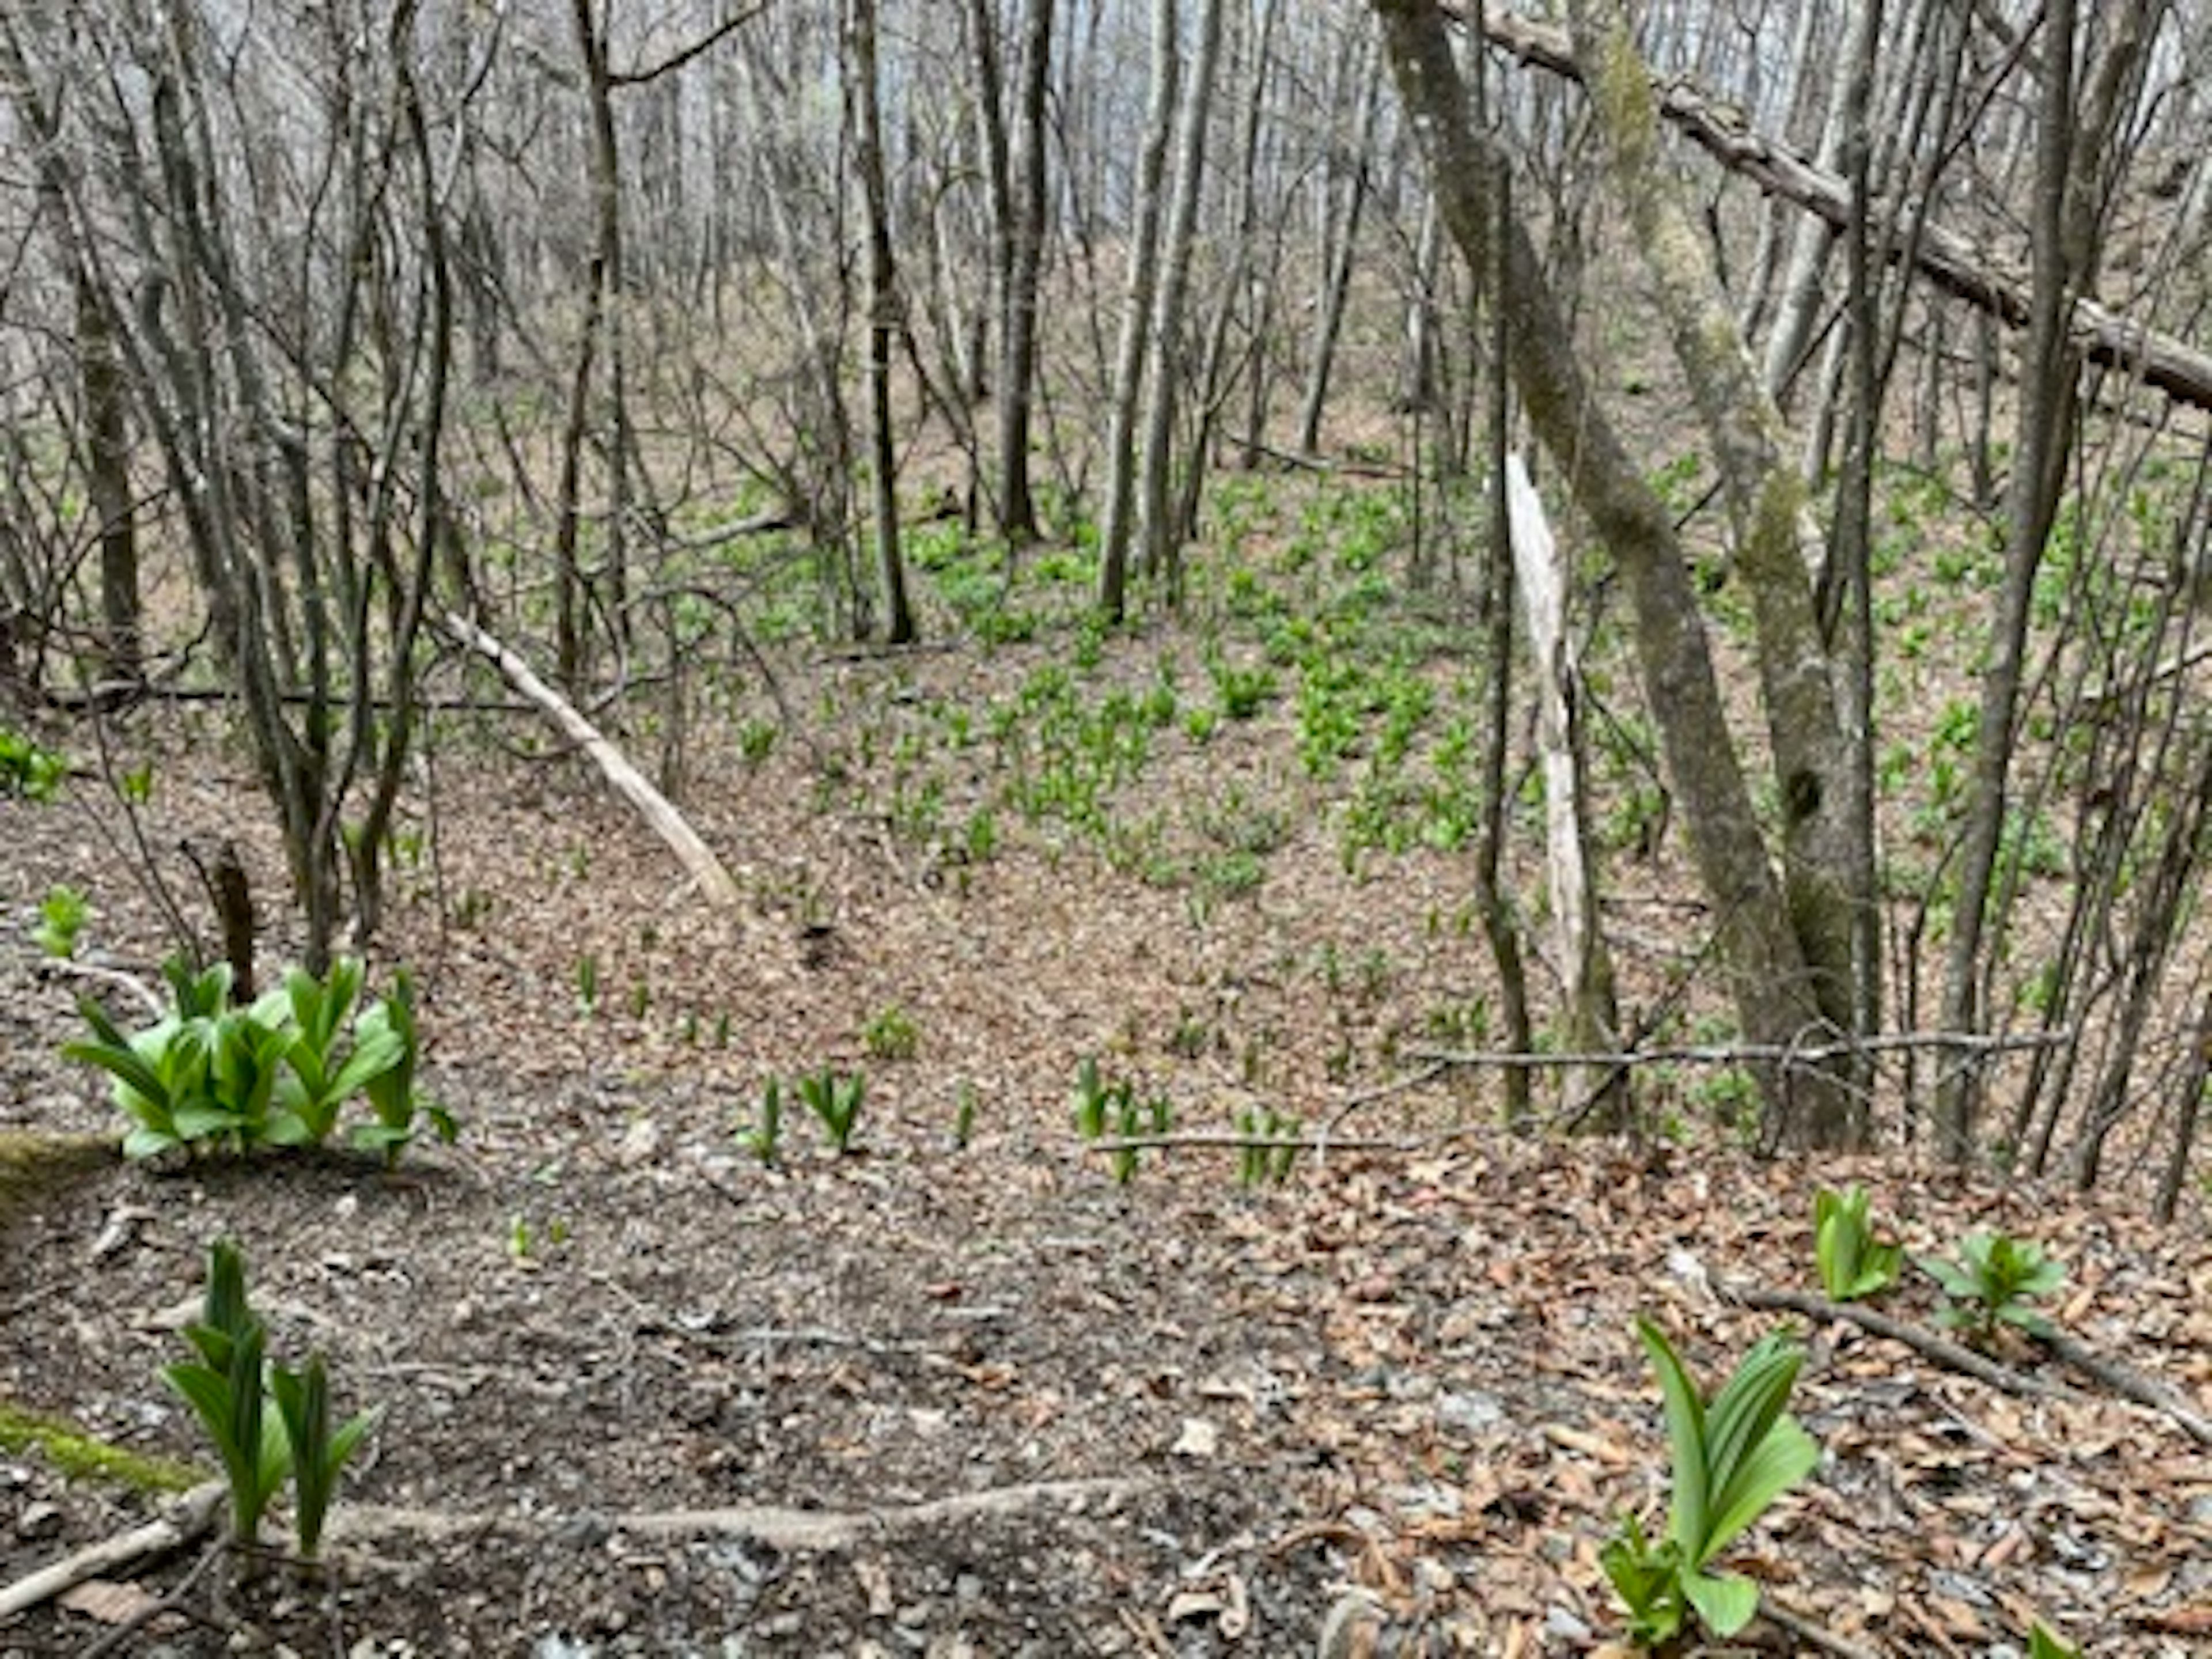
(278, 1074)
(891, 1034)
(1734, 1454)
(765, 1139)
(228, 1391)
(1100, 1104)
(26, 770)
(1990, 1285)
(62, 915)
(1852, 1264)
(1269, 1146)
(835, 1098)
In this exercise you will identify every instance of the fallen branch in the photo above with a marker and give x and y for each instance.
(2130, 1384)
(667, 823)
(1740, 1053)
(1947, 259)
(190, 1518)
(1951, 1355)
(780, 1529)
(1808, 1630)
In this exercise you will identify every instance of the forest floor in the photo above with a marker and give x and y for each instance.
(961, 1391)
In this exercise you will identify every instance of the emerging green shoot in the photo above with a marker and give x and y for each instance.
(1852, 1264)
(765, 1139)
(62, 915)
(834, 1099)
(1991, 1283)
(224, 1389)
(1733, 1456)
(2045, 1643)
(319, 1450)
(1268, 1148)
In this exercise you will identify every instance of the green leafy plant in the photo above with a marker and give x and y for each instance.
(318, 1449)
(1733, 1455)
(588, 984)
(1269, 1148)
(835, 1098)
(1852, 1264)
(2043, 1642)
(62, 915)
(400, 1108)
(891, 1034)
(329, 1064)
(277, 1074)
(963, 1117)
(765, 1139)
(27, 770)
(224, 1388)
(1990, 1283)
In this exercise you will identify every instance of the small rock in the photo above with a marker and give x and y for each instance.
(1199, 1439)
(39, 1519)
(641, 1144)
(1468, 1413)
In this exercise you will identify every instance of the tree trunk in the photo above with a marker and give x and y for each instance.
(1136, 319)
(1018, 326)
(1769, 978)
(1162, 525)
(883, 320)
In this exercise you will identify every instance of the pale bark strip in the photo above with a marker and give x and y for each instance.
(1584, 968)
(192, 1517)
(666, 822)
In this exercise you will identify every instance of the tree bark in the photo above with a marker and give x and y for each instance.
(1769, 978)
(1025, 206)
(884, 321)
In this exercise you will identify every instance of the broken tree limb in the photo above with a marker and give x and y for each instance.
(1949, 260)
(192, 1516)
(373, 1525)
(1952, 1356)
(667, 823)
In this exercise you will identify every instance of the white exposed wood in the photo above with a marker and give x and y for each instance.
(1543, 584)
(192, 1516)
(667, 823)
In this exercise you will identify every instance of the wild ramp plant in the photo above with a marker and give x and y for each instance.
(1991, 1283)
(1733, 1455)
(1852, 1264)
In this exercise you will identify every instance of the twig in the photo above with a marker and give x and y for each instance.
(1806, 1630)
(2130, 1384)
(71, 967)
(1352, 1102)
(149, 1611)
(1942, 1350)
(782, 1529)
(1737, 1054)
(192, 1516)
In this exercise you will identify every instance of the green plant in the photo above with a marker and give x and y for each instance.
(394, 1099)
(1852, 1264)
(62, 916)
(1270, 1146)
(276, 1074)
(136, 784)
(319, 1450)
(2043, 1642)
(834, 1099)
(318, 1082)
(588, 984)
(765, 1139)
(1990, 1282)
(224, 1389)
(963, 1117)
(27, 770)
(1733, 1455)
(1155, 1117)
(891, 1034)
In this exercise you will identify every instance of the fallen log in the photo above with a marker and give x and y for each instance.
(1951, 261)
(667, 823)
(192, 1516)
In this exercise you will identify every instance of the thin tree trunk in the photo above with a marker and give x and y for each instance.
(883, 322)
(1025, 264)
(1136, 319)
(1163, 529)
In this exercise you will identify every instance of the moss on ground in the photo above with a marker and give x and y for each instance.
(32, 1164)
(83, 1456)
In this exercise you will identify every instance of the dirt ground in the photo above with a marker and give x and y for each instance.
(643, 1393)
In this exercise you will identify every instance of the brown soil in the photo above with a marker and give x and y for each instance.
(643, 1394)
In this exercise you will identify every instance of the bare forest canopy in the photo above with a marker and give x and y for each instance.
(344, 345)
